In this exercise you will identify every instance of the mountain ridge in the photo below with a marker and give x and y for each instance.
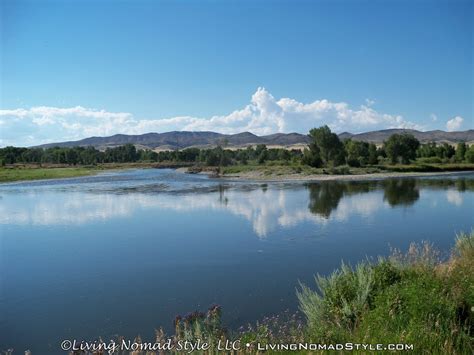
(186, 139)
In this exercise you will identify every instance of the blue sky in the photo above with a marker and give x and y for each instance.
(72, 69)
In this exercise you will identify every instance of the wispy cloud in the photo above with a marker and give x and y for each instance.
(263, 115)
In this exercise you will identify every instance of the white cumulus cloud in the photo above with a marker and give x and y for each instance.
(454, 124)
(263, 115)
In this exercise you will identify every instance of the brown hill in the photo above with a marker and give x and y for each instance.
(184, 139)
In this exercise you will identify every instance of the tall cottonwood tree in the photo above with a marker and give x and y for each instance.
(327, 146)
(401, 147)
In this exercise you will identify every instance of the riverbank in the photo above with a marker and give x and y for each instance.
(26, 172)
(257, 176)
(277, 173)
(16, 174)
(22, 172)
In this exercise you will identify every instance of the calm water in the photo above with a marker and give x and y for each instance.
(123, 253)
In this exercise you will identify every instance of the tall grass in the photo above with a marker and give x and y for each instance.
(340, 299)
(408, 298)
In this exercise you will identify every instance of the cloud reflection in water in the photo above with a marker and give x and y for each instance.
(265, 207)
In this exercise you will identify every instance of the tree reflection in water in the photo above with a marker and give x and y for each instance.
(324, 197)
(402, 192)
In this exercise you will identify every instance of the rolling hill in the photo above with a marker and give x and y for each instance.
(184, 139)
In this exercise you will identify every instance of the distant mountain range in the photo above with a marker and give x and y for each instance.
(184, 139)
(424, 137)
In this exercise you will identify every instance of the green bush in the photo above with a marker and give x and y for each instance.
(342, 298)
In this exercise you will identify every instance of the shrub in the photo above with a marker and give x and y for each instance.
(341, 299)
(385, 274)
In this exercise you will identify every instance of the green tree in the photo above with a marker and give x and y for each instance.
(263, 156)
(259, 149)
(225, 157)
(469, 156)
(373, 155)
(284, 154)
(213, 157)
(327, 146)
(446, 151)
(427, 150)
(357, 153)
(401, 147)
(460, 152)
(312, 157)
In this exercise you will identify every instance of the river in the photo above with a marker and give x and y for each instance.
(125, 252)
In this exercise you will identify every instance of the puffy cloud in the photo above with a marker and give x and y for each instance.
(263, 115)
(454, 124)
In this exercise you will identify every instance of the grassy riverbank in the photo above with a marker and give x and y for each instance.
(304, 172)
(36, 172)
(284, 169)
(411, 298)
(268, 171)
(17, 174)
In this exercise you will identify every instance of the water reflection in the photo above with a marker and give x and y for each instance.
(266, 206)
(403, 192)
(454, 197)
(324, 197)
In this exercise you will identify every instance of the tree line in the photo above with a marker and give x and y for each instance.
(325, 150)
(218, 156)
